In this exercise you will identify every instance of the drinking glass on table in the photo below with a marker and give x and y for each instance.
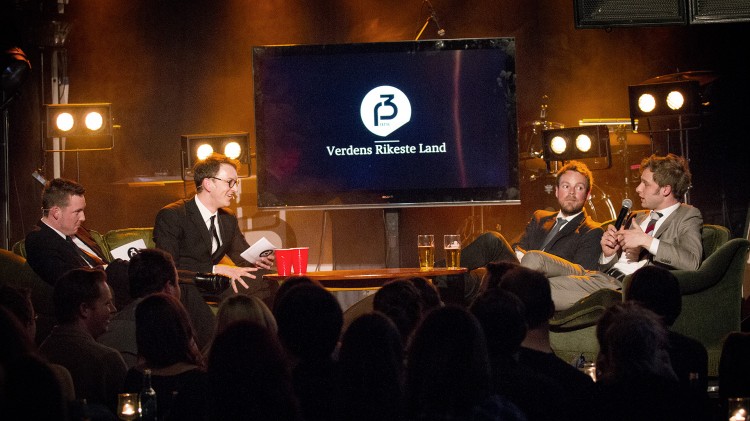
(452, 247)
(426, 250)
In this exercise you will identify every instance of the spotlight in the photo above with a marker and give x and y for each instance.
(197, 147)
(576, 143)
(73, 120)
(664, 100)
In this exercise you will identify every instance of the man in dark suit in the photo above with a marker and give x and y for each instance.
(667, 234)
(59, 242)
(569, 234)
(200, 232)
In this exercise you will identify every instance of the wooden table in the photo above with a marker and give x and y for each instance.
(358, 279)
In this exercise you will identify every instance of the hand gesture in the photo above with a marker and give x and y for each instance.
(235, 274)
(609, 241)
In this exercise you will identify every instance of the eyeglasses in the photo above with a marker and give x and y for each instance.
(231, 182)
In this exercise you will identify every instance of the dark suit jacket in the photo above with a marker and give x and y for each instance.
(51, 256)
(680, 244)
(180, 231)
(577, 242)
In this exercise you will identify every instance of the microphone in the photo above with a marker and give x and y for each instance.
(626, 205)
(433, 15)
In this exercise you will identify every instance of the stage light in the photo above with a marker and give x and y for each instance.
(197, 147)
(583, 143)
(74, 120)
(576, 143)
(204, 151)
(232, 150)
(64, 122)
(558, 144)
(664, 100)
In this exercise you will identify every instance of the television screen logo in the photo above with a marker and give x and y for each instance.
(385, 109)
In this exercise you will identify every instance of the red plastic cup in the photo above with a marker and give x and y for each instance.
(284, 261)
(299, 260)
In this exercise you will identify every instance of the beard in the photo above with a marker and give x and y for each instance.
(571, 208)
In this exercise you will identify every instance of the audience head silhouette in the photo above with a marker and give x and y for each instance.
(533, 288)
(163, 332)
(244, 307)
(400, 300)
(309, 320)
(152, 270)
(658, 290)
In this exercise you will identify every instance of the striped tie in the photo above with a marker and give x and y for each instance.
(652, 223)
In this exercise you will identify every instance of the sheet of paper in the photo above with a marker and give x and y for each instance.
(126, 250)
(260, 248)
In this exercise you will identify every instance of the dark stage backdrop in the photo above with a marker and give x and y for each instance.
(172, 67)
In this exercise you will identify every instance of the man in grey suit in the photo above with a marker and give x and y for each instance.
(667, 233)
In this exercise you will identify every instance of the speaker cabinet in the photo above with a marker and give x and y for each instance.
(719, 11)
(611, 13)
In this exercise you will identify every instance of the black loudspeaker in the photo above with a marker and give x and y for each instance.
(611, 13)
(719, 11)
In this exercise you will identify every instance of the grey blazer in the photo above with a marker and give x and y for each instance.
(680, 245)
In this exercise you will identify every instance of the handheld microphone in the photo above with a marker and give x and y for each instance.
(624, 211)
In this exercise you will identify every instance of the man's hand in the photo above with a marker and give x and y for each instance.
(609, 241)
(235, 274)
(265, 262)
(634, 238)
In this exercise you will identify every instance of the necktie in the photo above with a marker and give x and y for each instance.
(652, 223)
(215, 243)
(92, 261)
(558, 225)
(650, 231)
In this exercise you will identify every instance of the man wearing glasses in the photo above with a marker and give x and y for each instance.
(200, 232)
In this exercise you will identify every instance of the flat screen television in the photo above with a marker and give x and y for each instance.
(389, 124)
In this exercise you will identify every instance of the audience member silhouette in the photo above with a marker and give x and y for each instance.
(400, 300)
(428, 293)
(29, 389)
(151, 271)
(166, 346)
(448, 371)
(371, 360)
(635, 377)
(287, 284)
(533, 289)
(243, 307)
(18, 302)
(493, 273)
(657, 289)
(83, 308)
(247, 378)
(310, 320)
(501, 315)
(734, 366)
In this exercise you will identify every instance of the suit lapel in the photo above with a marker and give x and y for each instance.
(85, 236)
(194, 215)
(674, 216)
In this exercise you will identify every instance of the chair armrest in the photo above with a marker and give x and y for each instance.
(712, 270)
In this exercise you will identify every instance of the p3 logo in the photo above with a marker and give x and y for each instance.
(384, 110)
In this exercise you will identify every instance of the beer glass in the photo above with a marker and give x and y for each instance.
(426, 249)
(452, 246)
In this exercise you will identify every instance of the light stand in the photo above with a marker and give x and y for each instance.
(14, 67)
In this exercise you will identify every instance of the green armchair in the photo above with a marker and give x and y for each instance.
(711, 302)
